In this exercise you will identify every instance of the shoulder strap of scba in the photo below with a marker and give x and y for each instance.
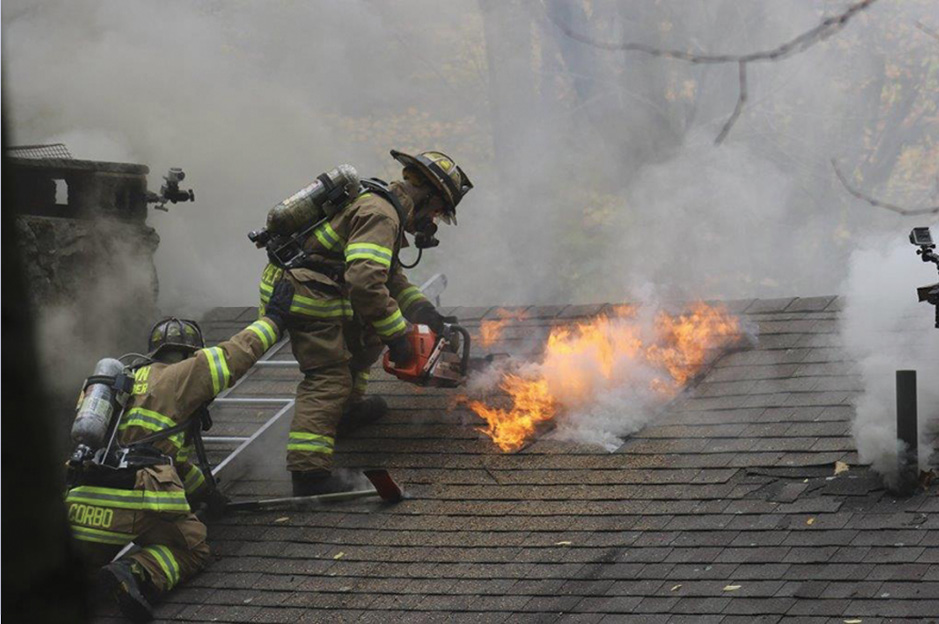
(383, 190)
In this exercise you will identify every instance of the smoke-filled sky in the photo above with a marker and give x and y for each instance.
(595, 171)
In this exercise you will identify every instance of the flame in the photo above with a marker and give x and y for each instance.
(615, 350)
(490, 330)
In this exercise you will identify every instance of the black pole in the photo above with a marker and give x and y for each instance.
(907, 432)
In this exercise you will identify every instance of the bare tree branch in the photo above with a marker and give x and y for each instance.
(741, 101)
(906, 212)
(929, 31)
(806, 40)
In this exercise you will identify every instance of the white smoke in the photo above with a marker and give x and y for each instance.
(885, 329)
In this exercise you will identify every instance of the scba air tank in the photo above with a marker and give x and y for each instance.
(97, 405)
(327, 194)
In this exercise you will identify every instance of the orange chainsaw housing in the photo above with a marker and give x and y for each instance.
(422, 340)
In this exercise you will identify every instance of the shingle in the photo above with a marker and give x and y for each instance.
(555, 604)
(752, 619)
(544, 311)
(809, 304)
(699, 606)
(819, 607)
(278, 616)
(657, 604)
(608, 604)
(578, 311)
(761, 306)
(470, 313)
(763, 572)
(894, 608)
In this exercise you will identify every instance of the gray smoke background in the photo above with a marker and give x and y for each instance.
(595, 171)
(885, 329)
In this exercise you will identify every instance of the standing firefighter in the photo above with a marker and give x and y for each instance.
(352, 299)
(139, 488)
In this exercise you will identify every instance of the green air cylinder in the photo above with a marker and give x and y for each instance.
(328, 193)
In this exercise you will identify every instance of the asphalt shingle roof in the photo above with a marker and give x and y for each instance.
(725, 509)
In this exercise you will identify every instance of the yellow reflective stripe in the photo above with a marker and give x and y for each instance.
(391, 324)
(328, 237)
(165, 501)
(265, 331)
(369, 251)
(184, 453)
(410, 296)
(164, 557)
(310, 442)
(310, 447)
(213, 372)
(100, 536)
(194, 479)
(320, 308)
(361, 381)
(128, 499)
(218, 368)
(303, 435)
(166, 421)
(151, 421)
(268, 278)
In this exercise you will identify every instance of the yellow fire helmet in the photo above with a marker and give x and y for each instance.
(442, 172)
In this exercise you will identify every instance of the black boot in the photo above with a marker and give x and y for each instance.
(316, 482)
(361, 413)
(128, 584)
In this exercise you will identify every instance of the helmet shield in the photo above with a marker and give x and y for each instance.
(443, 173)
(175, 334)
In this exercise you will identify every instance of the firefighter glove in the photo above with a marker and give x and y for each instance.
(432, 318)
(400, 350)
(278, 307)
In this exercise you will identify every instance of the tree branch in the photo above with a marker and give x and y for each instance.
(825, 29)
(741, 101)
(906, 212)
(929, 31)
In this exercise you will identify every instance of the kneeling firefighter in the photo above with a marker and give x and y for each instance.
(352, 297)
(139, 463)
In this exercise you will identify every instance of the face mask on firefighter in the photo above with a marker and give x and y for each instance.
(424, 224)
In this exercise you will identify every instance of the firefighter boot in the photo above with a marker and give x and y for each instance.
(316, 482)
(361, 413)
(127, 583)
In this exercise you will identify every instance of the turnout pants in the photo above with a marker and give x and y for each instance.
(335, 359)
(153, 515)
(335, 353)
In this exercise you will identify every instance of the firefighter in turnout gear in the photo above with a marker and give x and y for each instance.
(352, 300)
(148, 501)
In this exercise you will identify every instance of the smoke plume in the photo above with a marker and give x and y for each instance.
(885, 329)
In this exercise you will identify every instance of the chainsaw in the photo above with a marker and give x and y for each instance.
(440, 360)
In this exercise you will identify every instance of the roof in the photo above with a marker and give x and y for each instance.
(64, 166)
(726, 509)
